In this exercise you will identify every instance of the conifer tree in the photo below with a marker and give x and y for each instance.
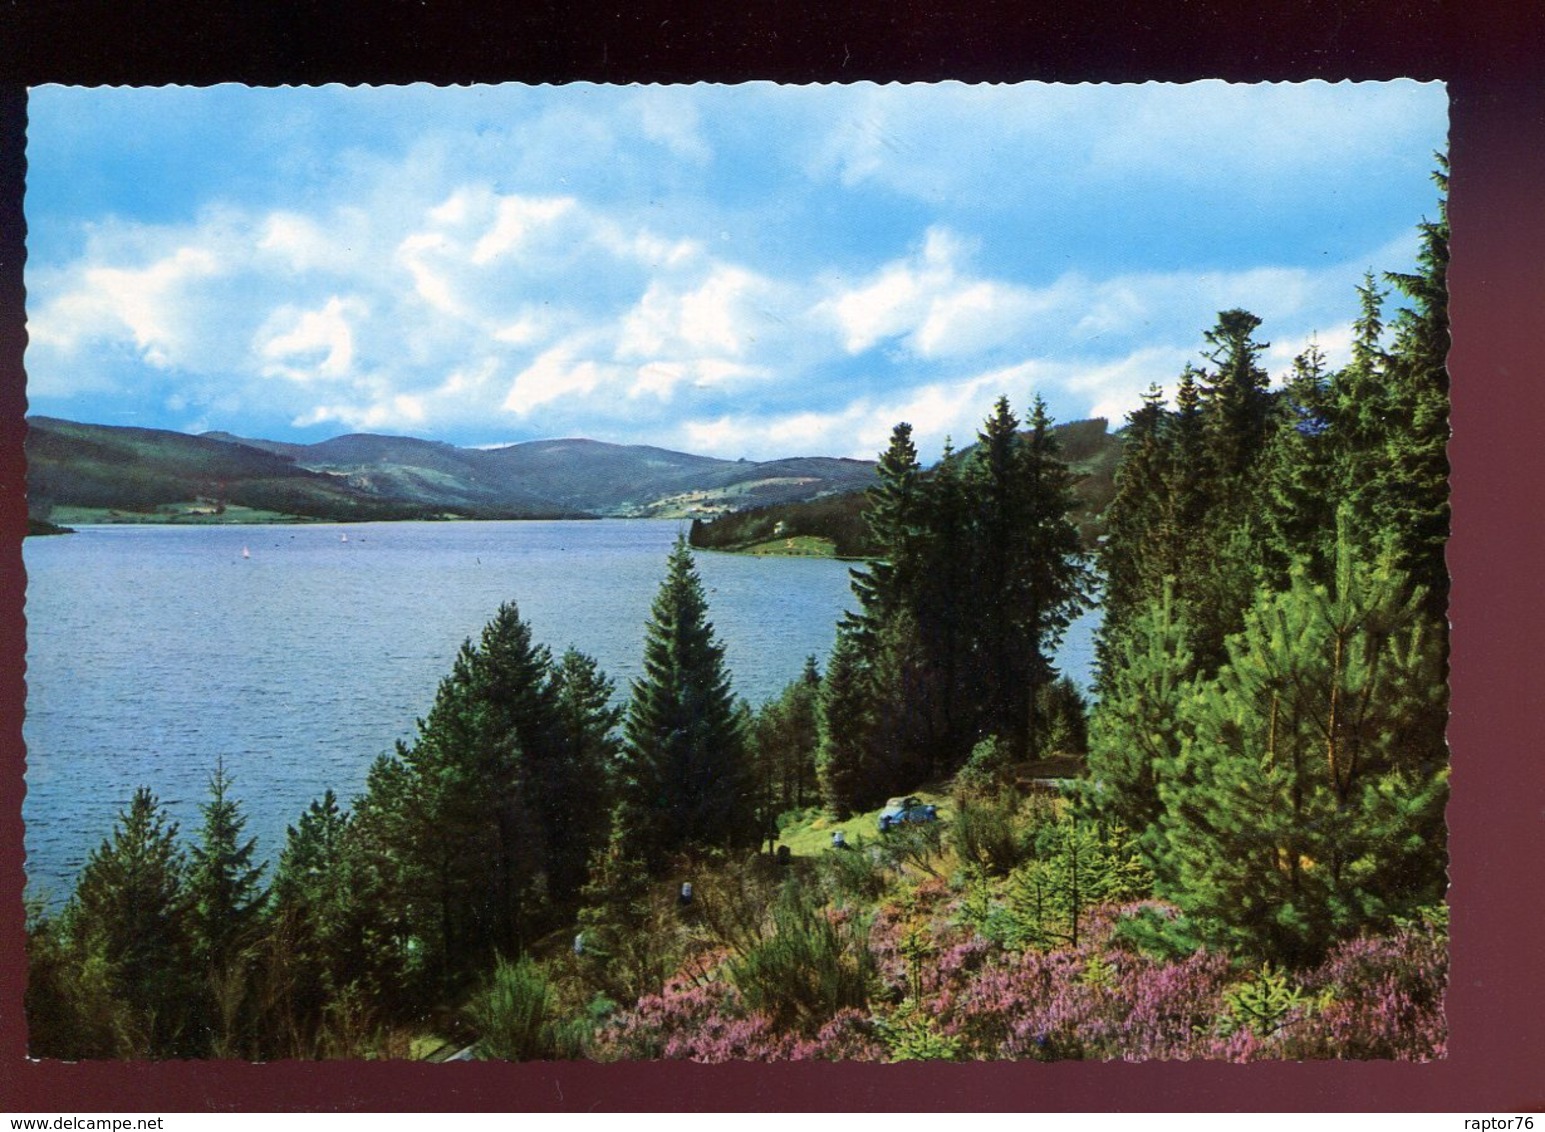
(1134, 736)
(784, 735)
(488, 817)
(223, 882)
(130, 912)
(1414, 495)
(1031, 580)
(1137, 522)
(946, 583)
(685, 779)
(307, 928)
(845, 763)
(1302, 475)
(577, 784)
(225, 905)
(1306, 801)
(624, 946)
(1237, 402)
(883, 584)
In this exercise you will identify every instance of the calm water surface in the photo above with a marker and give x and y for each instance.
(154, 651)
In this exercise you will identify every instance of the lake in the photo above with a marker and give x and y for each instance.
(153, 651)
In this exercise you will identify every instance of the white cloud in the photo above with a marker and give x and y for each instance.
(517, 218)
(929, 143)
(632, 262)
(146, 302)
(319, 344)
(931, 306)
(716, 316)
(557, 373)
(859, 429)
(399, 410)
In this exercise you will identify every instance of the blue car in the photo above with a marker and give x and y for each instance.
(899, 811)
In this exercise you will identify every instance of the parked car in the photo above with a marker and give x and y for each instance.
(898, 811)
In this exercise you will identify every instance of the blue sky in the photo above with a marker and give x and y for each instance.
(749, 270)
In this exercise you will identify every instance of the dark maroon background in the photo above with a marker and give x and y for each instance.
(1491, 54)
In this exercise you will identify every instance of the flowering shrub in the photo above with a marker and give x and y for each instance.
(942, 990)
(1385, 998)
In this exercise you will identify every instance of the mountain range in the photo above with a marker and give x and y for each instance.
(156, 474)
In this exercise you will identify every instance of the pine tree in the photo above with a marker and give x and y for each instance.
(995, 489)
(1237, 402)
(784, 735)
(845, 763)
(884, 584)
(1138, 538)
(685, 779)
(130, 913)
(307, 920)
(946, 584)
(1415, 496)
(1306, 802)
(577, 785)
(1031, 580)
(487, 818)
(1135, 730)
(1301, 475)
(223, 882)
(1053, 578)
(625, 947)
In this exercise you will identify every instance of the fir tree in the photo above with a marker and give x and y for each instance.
(1414, 494)
(223, 882)
(1237, 403)
(577, 785)
(130, 913)
(684, 777)
(845, 763)
(883, 584)
(784, 735)
(306, 939)
(488, 817)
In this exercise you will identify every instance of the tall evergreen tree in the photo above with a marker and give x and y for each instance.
(1135, 733)
(130, 911)
(577, 783)
(310, 936)
(1415, 494)
(784, 736)
(1301, 474)
(223, 882)
(947, 578)
(1032, 580)
(1134, 550)
(488, 817)
(883, 584)
(1237, 401)
(685, 779)
(845, 763)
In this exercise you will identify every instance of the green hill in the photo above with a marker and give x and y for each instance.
(136, 474)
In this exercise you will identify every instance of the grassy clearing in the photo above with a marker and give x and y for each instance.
(800, 546)
(810, 832)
